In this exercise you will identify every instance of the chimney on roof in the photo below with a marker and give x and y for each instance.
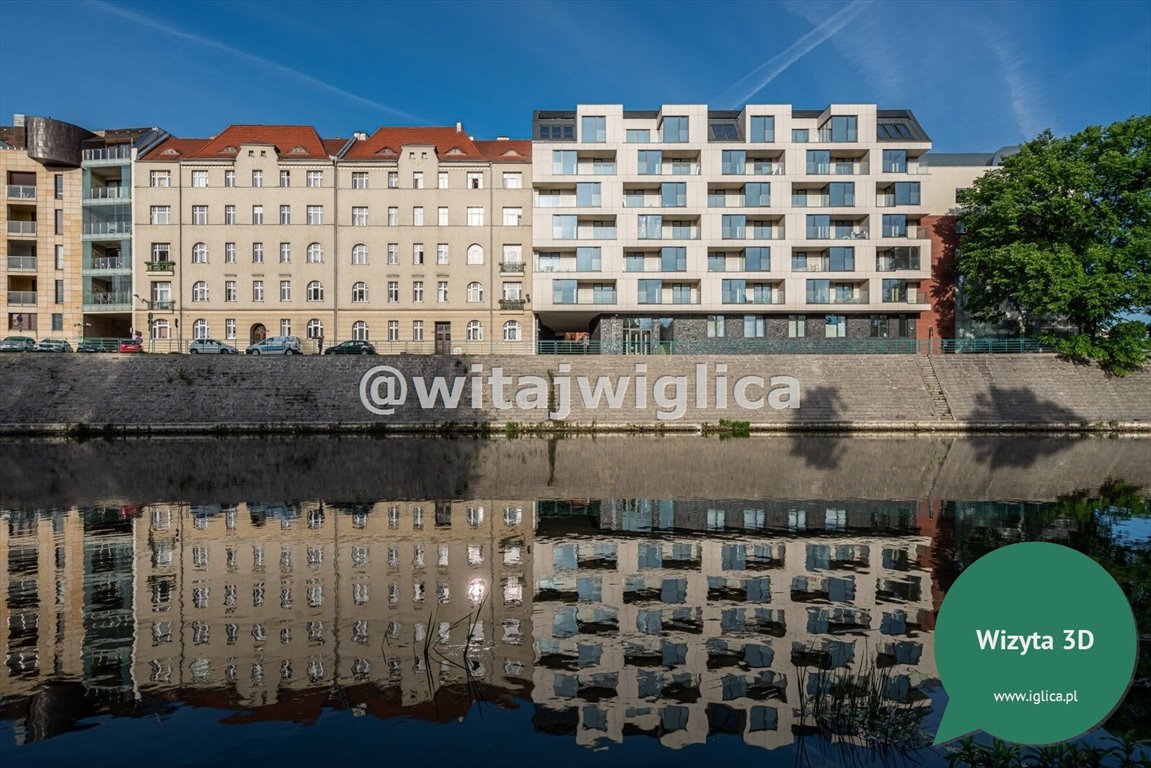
(459, 127)
(18, 120)
(502, 138)
(360, 136)
(471, 138)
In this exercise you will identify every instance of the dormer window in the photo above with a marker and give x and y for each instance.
(455, 151)
(299, 151)
(230, 150)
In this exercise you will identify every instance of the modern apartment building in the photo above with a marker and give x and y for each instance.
(412, 238)
(106, 184)
(41, 220)
(712, 226)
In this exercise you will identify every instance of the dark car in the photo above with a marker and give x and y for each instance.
(97, 345)
(52, 345)
(351, 348)
(132, 345)
(17, 344)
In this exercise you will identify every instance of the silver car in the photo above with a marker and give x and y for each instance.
(210, 347)
(52, 345)
(276, 345)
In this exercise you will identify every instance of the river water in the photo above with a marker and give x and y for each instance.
(607, 601)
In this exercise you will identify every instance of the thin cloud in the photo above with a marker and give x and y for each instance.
(857, 43)
(757, 80)
(268, 64)
(1013, 68)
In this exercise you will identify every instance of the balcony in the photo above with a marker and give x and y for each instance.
(833, 298)
(512, 267)
(910, 296)
(115, 229)
(21, 298)
(890, 201)
(838, 169)
(108, 193)
(516, 305)
(827, 233)
(108, 300)
(22, 263)
(107, 155)
(160, 266)
(161, 305)
(892, 264)
(107, 264)
(22, 228)
(21, 192)
(910, 232)
(750, 297)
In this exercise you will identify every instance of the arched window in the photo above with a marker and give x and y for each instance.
(475, 293)
(200, 253)
(360, 331)
(512, 330)
(315, 253)
(360, 291)
(315, 291)
(315, 329)
(475, 254)
(475, 330)
(359, 253)
(200, 291)
(200, 329)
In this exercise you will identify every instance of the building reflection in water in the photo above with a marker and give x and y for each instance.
(614, 617)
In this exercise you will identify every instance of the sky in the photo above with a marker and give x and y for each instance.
(977, 75)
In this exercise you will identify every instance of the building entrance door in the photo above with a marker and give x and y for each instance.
(443, 338)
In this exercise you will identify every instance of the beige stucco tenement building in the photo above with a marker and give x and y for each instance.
(412, 238)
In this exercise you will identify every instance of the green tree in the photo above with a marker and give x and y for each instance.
(1063, 229)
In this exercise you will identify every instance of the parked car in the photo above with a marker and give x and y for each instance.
(210, 347)
(97, 345)
(52, 345)
(17, 344)
(132, 345)
(351, 348)
(276, 345)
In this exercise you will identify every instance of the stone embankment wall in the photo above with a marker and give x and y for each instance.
(174, 393)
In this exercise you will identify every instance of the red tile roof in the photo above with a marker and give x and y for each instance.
(174, 150)
(290, 141)
(449, 143)
(333, 146)
(506, 150)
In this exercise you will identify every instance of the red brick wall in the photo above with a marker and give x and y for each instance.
(940, 319)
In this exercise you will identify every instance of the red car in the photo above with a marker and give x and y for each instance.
(132, 345)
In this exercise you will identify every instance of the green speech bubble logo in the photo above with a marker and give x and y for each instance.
(1035, 644)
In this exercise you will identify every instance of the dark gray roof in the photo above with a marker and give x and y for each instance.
(968, 159)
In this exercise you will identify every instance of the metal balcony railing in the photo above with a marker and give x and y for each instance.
(160, 266)
(512, 266)
(21, 298)
(108, 193)
(108, 298)
(21, 192)
(512, 304)
(108, 153)
(108, 262)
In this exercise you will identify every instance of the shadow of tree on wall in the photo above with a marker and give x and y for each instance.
(943, 278)
(819, 405)
(1016, 405)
